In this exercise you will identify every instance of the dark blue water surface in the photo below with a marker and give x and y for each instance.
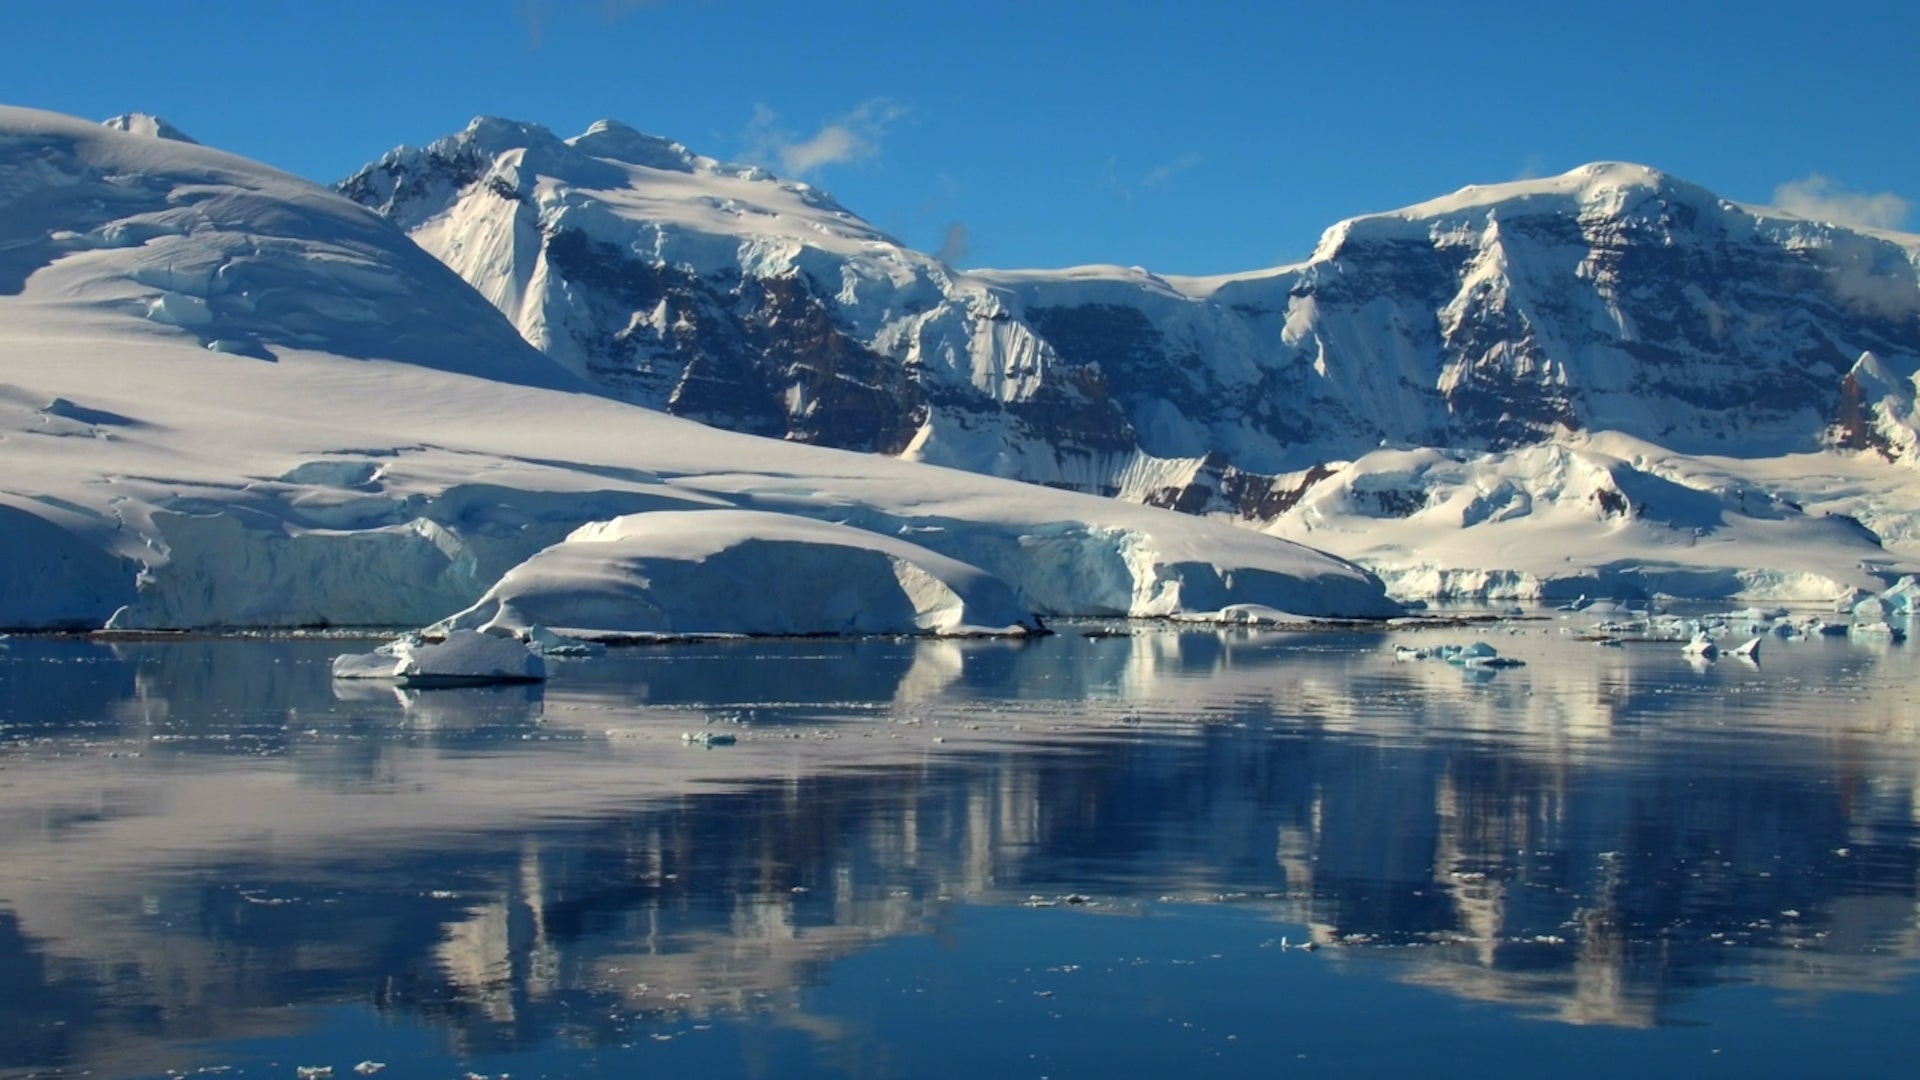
(1078, 856)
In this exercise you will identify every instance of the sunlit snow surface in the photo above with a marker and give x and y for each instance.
(1674, 337)
(231, 398)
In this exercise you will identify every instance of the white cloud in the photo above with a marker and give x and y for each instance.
(1819, 198)
(1160, 174)
(848, 139)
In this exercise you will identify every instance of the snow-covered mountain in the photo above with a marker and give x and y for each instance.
(1613, 303)
(232, 398)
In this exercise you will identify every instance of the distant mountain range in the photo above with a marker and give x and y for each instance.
(1611, 298)
(1612, 303)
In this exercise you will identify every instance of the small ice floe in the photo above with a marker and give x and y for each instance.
(313, 1072)
(1245, 615)
(368, 1068)
(1482, 655)
(1881, 629)
(1701, 647)
(1749, 650)
(1408, 652)
(707, 738)
(461, 658)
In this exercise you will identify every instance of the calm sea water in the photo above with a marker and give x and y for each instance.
(1079, 856)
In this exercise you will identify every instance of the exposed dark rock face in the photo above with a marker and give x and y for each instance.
(760, 355)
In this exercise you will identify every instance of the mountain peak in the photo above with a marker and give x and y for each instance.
(1607, 185)
(139, 123)
(615, 140)
(497, 134)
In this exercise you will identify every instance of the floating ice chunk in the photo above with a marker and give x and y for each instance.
(1477, 656)
(462, 658)
(1899, 600)
(1477, 651)
(1873, 607)
(1490, 662)
(1242, 615)
(1750, 650)
(707, 738)
(1408, 652)
(1880, 629)
(1702, 647)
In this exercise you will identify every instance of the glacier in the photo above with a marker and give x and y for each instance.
(1637, 386)
(230, 398)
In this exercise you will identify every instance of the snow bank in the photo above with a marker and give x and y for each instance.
(458, 658)
(728, 572)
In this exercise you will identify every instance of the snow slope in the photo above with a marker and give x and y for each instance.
(1739, 346)
(231, 398)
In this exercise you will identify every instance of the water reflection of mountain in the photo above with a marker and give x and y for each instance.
(1591, 839)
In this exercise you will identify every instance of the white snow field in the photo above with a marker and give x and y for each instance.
(230, 398)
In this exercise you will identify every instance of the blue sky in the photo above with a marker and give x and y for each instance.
(1184, 137)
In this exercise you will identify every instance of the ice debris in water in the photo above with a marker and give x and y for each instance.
(1873, 616)
(707, 738)
(461, 658)
(1477, 656)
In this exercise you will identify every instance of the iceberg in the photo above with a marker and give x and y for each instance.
(459, 658)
